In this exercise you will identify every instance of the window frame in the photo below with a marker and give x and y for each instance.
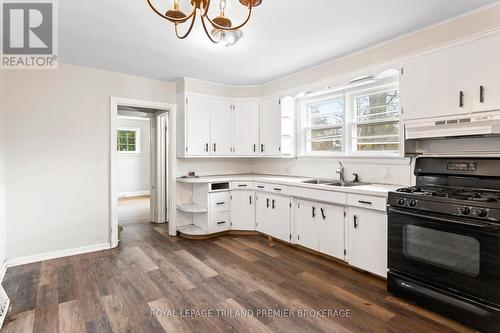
(348, 95)
(138, 141)
(305, 125)
(350, 110)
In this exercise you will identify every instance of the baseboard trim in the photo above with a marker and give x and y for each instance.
(57, 254)
(133, 194)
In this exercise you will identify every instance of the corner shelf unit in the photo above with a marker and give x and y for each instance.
(192, 208)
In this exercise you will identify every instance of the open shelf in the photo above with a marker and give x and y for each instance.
(192, 208)
(192, 230)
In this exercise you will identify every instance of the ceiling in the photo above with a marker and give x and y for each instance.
(283, 36)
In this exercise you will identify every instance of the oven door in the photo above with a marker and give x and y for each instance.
(456, 254)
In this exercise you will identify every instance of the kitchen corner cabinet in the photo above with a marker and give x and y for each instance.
(270, 127)
(273, 215)
(367, 240)
(452, 81)
(221, 127)
(243, 210)
(320, 227)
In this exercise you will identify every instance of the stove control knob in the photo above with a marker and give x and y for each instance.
(401, 202)
(464, 211)
(482, 212)
(412, 203)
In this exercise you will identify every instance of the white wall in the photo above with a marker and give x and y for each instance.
(133, 176)
(3, 226)
(57, 167)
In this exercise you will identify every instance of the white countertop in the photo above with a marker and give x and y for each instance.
(369, 189)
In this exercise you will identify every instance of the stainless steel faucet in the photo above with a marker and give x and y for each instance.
(340, 171)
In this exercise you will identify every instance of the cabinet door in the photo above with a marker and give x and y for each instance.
(246, 128)
(483, 57)
(368, 240)
(331, 230)
(243, 210)
(221, 127)
(307, 229)
(270, 127)
(280, 217)
(431, 85)
(197, 128)
(262, 212)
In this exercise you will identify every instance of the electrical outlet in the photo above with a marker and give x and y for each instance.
(4, 305)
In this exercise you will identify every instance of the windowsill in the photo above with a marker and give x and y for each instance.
(128, 152)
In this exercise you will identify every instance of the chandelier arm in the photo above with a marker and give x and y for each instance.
(216, 26)
(207, 6)
(171, 19)
(188, 31)
(206, 31)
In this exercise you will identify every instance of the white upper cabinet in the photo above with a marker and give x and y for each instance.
(452, 81)
(221, 127)
(197, 116)
(246, 127)
(483, 55)
(270, 127)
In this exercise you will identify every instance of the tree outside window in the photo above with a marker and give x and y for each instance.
(128, 140)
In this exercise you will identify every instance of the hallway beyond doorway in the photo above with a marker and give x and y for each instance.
(134, 210)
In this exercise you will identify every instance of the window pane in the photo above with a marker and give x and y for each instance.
(377, 129)
(377, 106)
(327, 113)
(131, 147)
(327, 146)
(327, 132)
(122, 148)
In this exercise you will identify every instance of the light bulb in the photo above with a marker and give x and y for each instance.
(222, 5)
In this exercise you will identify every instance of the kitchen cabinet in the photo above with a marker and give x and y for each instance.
(270, 127)
(273, 215)
(367, 248)
(452, 81)
(246, 127)
(197, 116)
(320, 227)
(221, 127)
(483, 55)
(243, 210)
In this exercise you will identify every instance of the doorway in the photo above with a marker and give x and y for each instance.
(141, 178)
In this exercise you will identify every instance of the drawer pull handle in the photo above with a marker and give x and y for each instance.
(314, 212)
(221, 222)
(267, 202)
(461, 99)
(250, 197)
(220, 203)
(242, 185)
(356, 224)
(260, 186)
(277, 189)
(323, 213)
(365, 202)
(481, 94)
(274, 204)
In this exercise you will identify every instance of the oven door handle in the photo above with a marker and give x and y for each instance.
(468, 223)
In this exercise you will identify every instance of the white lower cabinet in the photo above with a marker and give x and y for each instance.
(273, 215)
(320, 227)
(368, 240)
(243, 210)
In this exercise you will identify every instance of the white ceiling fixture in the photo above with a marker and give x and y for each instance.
(127, 36)
(222, 27)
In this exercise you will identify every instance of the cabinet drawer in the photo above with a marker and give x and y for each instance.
(367, 201)
(219, 222)
(261, 187)
(219, 202)
(241, 186)
(278, 189)
(318, 195)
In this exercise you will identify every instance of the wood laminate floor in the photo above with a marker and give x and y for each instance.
(116, 290)
(134, 210)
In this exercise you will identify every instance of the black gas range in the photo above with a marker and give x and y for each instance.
(444, 239)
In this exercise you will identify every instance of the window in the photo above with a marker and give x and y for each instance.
(376, 121)
(324, 128)
(353, 122)
(129, 140)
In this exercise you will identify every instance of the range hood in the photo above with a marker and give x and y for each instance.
(472, 124)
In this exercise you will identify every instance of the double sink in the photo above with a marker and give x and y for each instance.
(330, 182)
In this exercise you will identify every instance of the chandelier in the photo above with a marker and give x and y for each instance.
(221, 27)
